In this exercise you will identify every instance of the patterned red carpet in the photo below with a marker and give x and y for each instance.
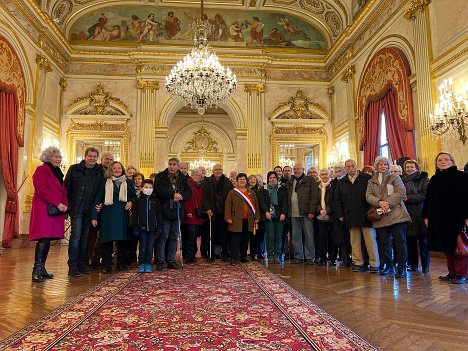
(204, 307)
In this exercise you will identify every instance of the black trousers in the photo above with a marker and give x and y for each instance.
(413, 243)
(189, 240)
(240, 242)
(326, 244)
(257, 239)
(107, 250)
(220, 237)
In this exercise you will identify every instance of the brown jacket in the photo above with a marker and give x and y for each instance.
(234, 208)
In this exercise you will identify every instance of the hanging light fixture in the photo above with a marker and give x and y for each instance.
(200, 79)
(202, 143)
(450, 118)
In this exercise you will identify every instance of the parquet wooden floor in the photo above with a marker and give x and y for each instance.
(417, 313)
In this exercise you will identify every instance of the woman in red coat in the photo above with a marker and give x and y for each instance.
(193, 217)
(49, 195)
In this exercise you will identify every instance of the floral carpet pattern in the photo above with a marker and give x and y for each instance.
(206, 307)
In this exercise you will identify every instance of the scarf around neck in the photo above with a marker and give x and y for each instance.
(323, 189)
(56, 171)
(121, 183)
(273, 190)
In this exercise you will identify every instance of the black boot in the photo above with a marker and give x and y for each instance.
(38, 255)
(44, 272)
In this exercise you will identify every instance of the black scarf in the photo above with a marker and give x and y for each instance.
(57, 172)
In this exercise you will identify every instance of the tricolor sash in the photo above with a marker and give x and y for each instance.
(246, 199)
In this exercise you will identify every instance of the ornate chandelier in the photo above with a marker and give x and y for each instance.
(450, 118)
(200, 79)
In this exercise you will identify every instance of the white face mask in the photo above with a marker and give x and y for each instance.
(147, 191)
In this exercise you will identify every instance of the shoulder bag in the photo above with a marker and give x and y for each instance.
(462, 243)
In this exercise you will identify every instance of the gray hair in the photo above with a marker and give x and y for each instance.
(107, 154)
(325, 170)
(48, 152)
(381, 159)
(196, 171)
(340, 166)
(397, 167)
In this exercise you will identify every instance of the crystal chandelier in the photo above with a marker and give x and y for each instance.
(338, 156)
(450, 118)
(200, 79)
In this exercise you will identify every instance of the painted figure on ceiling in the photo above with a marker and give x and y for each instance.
(148, 27)
(172, 26)
(256, 30)
(235, 32)
(96, 29)
(137, 25)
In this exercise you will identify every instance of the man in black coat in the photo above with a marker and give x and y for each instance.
(172, 189)
(215, 189)
(351, 207)
(82, 182)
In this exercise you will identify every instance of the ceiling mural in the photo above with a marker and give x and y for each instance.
(358, 5)
(121, 24)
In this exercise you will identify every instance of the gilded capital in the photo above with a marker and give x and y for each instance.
(331, 91)
(147, 84)
(415, 6)
(63, 83)
(250, 88)
(348, 73)
(43, 63)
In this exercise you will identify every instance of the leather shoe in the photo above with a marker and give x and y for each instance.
(74, 272)
(447, 278)
(460, 280)
(401, 273)
(173, 265)
(425, 270)
(388, 271)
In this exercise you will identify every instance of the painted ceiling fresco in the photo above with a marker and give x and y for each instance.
(120, 24)
(357, 6)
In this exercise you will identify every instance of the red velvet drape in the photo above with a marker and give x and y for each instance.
(9, 162)
(372, 131)
(400, 140)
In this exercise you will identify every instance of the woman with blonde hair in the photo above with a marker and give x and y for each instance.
(445, 212)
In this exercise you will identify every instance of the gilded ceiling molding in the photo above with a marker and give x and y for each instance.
(348, 74)
(97, 126)
(202, 143)
(147, 85)
(12, 80)
(331, 92)
(386, 70)
(98, 102)
(251, 88)
(298, 107)
(63, 83)
(43, 63)
(414, 7)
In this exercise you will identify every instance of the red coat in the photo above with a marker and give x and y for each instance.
(191, 204)
(47, 189)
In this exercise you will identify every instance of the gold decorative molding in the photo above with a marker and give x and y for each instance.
(98, 126)
(147, 85)
(99, 103)
(43, 63)
(348, 73)
(331, 91)
(52, 50)
(63, 83)
(258, 88)
(414, 7)
(298, 129)
(298, 108)
(202, 143)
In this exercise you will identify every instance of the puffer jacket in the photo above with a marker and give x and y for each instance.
(393, 191)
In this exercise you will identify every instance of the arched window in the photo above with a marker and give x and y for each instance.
(384, 148)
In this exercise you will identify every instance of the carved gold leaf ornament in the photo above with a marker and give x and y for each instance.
(385, 71)
(415, 6)
(98, 126)
(299, 108)
(12, 80)
(202, 143)
(298, 129)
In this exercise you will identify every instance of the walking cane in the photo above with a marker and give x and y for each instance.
(209, 219)
(180, 236)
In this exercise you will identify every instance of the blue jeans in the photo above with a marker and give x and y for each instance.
(306, 225)
(80, 227)
(170, 233)
(146, 247)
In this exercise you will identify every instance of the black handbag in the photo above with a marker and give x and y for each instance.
(53, 210)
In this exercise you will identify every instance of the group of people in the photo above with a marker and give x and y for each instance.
(382, 219)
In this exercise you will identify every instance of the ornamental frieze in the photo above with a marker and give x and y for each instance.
(298, 108)
(98, 102)
(298, 129)
(100, 126)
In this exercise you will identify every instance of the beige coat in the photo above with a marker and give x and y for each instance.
(393, 191)
(234, 208)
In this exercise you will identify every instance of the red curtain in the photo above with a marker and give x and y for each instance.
(400, 139)
(9, 162)
(372, 131)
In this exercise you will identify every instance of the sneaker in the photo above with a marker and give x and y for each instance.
(160, 267)
(374, 269)
(148, 268)
(74, 272)
(173, 265)
(141, 268)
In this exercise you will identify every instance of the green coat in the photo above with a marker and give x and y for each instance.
(113, 218)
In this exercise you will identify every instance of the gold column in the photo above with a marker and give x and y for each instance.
(255, 127)
(349, 78)
(43, 67)
(147, 93)
(417, 12)
(160, 144)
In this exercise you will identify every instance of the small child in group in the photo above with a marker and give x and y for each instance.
(147, 217)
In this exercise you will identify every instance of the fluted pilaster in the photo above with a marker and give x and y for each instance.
(147, 96)
(349, 78)
(255, 127)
